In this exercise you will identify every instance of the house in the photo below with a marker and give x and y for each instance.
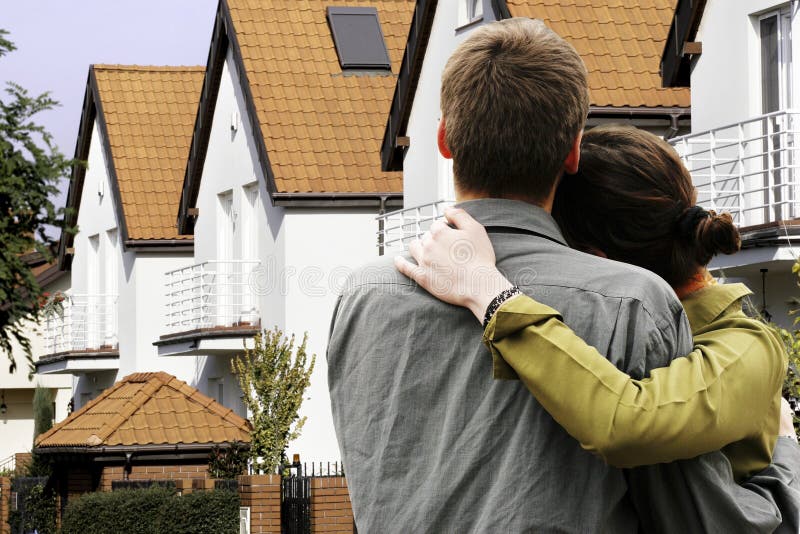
(147, 426)
(135, 131)
(284, 182)
(17, 389)
(737, 57)
(620, 43)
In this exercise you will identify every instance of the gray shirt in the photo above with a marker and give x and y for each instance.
(431, 443)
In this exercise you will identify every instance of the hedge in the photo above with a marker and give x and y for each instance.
(154, 510)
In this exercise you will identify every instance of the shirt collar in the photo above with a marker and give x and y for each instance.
(513, 214)
(704, 306)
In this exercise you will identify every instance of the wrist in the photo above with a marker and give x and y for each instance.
(487, 288)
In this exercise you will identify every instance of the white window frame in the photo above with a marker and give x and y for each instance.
(784, 19)
(469, 11)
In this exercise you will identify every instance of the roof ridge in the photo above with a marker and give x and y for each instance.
(145, 68)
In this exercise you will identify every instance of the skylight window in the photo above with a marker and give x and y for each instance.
(358, 38)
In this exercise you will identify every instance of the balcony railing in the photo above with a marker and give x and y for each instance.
(747, 168)
(82, 323)
(212, 294)
(399, 228)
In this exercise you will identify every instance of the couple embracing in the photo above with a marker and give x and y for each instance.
(577, 370)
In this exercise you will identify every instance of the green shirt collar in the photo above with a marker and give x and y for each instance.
(705, 305)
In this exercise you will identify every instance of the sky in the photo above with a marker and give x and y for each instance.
(57, 40)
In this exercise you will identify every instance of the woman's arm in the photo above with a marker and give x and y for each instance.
(720, 393)
(678, 412)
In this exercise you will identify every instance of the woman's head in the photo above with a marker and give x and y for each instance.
(633, 200)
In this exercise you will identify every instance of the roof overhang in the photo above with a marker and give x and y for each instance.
(164, 451)
(676, 59)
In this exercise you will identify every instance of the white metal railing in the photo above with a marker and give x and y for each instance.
(747, 168)
(212, 294)
(398, 228)
(82, 322)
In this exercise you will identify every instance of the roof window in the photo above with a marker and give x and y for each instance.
(358, 38)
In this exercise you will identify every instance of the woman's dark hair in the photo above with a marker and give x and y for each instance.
(633, 199)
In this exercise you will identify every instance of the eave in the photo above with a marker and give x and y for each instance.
(676, 64)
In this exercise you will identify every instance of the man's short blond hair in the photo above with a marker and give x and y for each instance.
(514, 99)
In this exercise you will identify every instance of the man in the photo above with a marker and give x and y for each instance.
(430, 441)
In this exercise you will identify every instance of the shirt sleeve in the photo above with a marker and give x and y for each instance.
(716, 395)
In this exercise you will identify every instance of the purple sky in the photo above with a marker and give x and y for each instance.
(57, 40)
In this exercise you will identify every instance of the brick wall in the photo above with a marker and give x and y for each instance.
(262, 493)
(152, 472)
(5, 504)
(330, 505)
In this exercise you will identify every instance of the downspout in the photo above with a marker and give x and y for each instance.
(673, 126)
(381, 225)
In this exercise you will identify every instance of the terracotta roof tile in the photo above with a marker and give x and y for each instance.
(148, 409)
(305, 103)
(620, 43)
(150, 114)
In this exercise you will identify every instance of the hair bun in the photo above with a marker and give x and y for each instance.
(716, 234)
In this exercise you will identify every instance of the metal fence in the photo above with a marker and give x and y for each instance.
(82, 322)
(296, 505)
(747, 168)
(398, 228)
(212, 294)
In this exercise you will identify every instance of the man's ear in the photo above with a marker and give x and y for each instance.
(574, 156)
(440, 138)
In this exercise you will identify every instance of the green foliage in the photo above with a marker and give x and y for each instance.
(43, 413)
(791, 386)
(274, 378)
(155, 510)
(31, 168)
(40, 512)
(228, 463)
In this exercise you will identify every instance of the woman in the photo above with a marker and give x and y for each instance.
(632, 201)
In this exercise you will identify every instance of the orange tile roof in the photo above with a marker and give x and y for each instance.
(148, 409)
(322, 128)
(621, 43)
(149, 115)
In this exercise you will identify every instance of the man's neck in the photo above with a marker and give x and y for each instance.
(547, 204)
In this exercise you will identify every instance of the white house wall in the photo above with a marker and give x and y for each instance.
(726, 79)
(231, 165)
(322, 248)
(426, 175)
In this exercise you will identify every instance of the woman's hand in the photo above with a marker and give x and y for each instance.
(456, 264)
(786, 427)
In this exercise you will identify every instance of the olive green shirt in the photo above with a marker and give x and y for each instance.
(724, 395)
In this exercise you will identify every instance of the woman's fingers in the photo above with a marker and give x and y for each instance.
(460, 219)
(415, 272)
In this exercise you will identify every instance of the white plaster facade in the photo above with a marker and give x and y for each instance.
(16, 389)
(303, 255)
(727, 88)
(128, 285)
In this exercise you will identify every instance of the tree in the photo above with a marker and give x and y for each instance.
(273, 377)
(43, 415)
(31, 168)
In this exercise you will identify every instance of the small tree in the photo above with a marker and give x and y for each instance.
(30, 170)
(43, 416)
(273, 377)
(791, 337)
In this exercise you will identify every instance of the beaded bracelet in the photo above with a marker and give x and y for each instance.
(497, 302)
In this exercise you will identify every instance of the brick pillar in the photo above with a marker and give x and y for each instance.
(5, 504)
(262, 493)
(330, 505)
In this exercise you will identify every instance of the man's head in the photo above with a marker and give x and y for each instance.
(514, 101)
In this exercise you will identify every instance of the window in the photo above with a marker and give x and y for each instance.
(469, 11)
(776, 60)
(358, 38)
(215, 389)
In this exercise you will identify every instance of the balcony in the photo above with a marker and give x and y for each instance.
(211, 307)
(750, 170)
(397, 229)
(81, 336)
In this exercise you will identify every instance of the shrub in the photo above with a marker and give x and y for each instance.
(37, 510)
(154, 510)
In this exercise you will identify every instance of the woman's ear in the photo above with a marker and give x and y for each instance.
(574, 156)
(441, 134)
